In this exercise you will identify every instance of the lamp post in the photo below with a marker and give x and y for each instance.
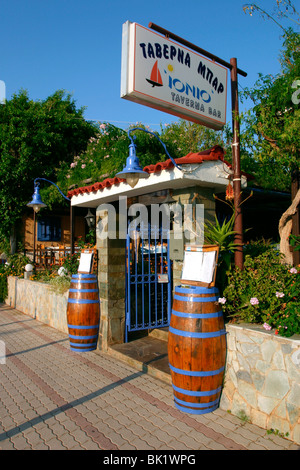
(37, 203)
(132, 171)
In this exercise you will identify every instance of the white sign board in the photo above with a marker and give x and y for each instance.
(161, 74)
(199, 266)
(85, 263)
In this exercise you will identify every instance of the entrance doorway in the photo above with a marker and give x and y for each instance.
(148, 279)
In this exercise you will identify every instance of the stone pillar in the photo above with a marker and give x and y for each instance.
(111, 279)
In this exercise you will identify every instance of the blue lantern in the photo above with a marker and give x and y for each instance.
(132, 171)
(36, 202)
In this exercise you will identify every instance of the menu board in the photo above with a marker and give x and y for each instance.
(85, 263)
(199, 265)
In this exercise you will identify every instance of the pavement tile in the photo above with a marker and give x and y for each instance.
(56, 399)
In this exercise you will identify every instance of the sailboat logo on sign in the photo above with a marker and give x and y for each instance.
(155, 77)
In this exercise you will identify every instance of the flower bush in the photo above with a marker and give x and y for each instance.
(71, 263)
(265, 292)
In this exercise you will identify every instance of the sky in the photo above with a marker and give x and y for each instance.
(75, 45)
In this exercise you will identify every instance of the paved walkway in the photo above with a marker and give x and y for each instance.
(53, 398)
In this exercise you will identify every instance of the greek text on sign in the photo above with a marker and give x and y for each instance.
(161, 74)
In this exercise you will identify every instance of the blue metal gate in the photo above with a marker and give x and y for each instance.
(148, 279)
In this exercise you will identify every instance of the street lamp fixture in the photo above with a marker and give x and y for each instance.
(37, 202)
(90, 219)
(133, 171)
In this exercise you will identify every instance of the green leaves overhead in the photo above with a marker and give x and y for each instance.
(36, 139)
(272, 126)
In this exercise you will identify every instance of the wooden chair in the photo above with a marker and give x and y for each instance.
(46, 256)
(38, 254)
(61, 254)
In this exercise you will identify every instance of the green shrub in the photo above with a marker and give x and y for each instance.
(265, 292)
(60, 284)
(14, 267)
(71, 263)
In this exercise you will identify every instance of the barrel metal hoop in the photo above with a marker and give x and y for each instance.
(91, 347)
(83, 301)
(82, 281)
(83, 290)
(79, 327)
(195, 412)
(197, 315)
(192, 334)
(197, 405)
(194, 393)
(84, 275)
(83, 345)
(198, 290)
(195, 299)
(83, 337)
(197, 373)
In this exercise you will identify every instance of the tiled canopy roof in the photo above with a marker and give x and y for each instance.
(214, 153)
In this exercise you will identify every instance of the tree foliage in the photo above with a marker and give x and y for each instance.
(105, 155)
(37, 139)
(107, 152)
(272, 126)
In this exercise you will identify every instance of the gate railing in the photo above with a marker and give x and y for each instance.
(148, 280)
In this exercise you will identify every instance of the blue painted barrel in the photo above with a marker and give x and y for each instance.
(196, 349)
(83, 312)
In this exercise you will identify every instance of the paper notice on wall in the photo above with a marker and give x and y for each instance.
(199, 266)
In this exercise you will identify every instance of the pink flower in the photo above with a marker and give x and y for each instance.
(267, 327)
(293, 271)
(83, 165)
(254, 301)
(222, 300)
(102, 126)
(73, 165)
(279, 294)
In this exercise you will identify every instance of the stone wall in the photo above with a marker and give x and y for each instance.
(38, 300)
(262, 380)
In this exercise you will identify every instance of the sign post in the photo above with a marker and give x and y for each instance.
(238, 223)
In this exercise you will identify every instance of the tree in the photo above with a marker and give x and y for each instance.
(273, 124)
(107, 152)
(36, 139)
(183, 137)
(104, 156)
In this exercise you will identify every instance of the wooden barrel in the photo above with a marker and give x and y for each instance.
(196, 349)
(83, 312)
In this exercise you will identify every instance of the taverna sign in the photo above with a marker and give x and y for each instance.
(161, 74)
